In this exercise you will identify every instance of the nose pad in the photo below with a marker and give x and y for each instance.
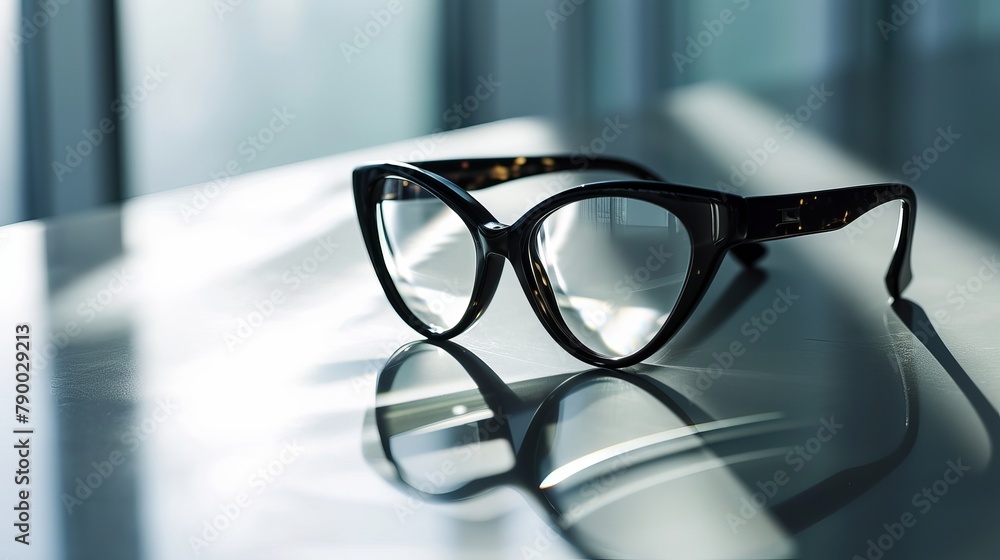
(495, 237)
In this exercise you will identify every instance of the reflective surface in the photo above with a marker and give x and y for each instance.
(626, 465)
(229, 361)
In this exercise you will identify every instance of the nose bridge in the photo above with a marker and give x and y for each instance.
(496, 237)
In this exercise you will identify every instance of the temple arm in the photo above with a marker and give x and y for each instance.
(476, 174)
(778, 217)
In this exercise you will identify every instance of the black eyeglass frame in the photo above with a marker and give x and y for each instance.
(716, 222)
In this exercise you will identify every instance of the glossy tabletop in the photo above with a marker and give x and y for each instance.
(208, 379)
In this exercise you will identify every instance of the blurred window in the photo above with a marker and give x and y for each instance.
(10, 193)
(269, 83)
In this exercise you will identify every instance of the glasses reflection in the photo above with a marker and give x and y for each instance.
(621, 464)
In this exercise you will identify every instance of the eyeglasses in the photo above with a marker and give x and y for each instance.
(612, 269)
